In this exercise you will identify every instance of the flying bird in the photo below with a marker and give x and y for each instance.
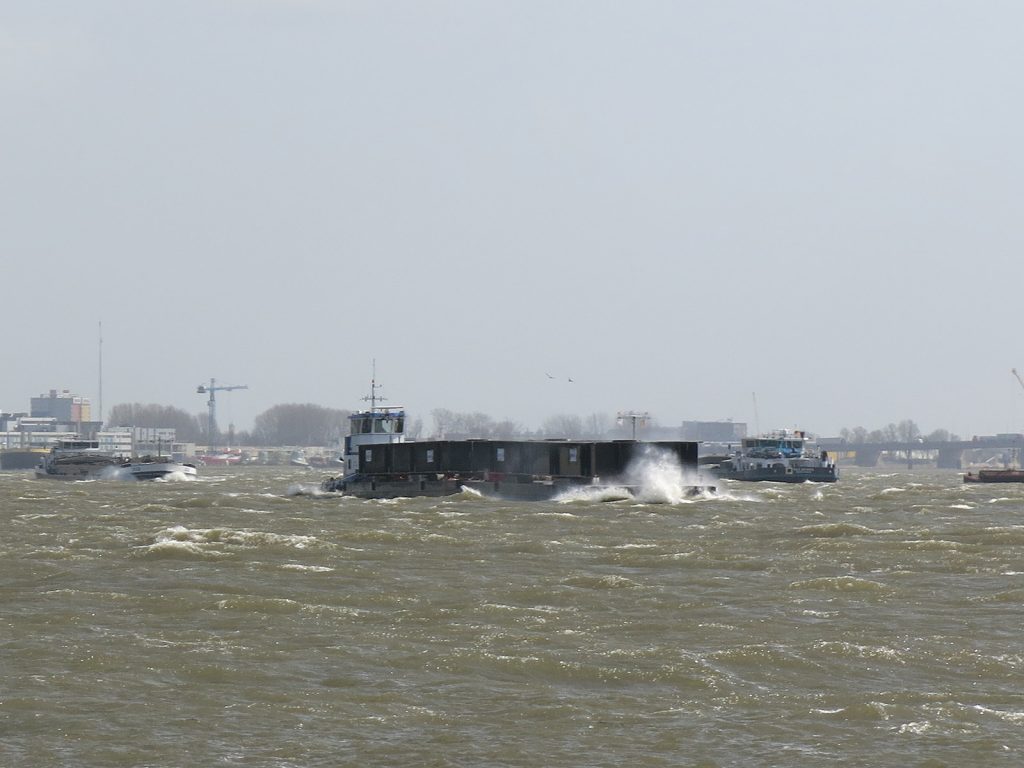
(548, 375)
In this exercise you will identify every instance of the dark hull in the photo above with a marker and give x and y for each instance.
(15, 458)
(149, 475)
(385, 487)
(552, 489)
(78, 466)
(995, 476)
(822, 475)
(77, 473)
(519, 469)
(158, 470)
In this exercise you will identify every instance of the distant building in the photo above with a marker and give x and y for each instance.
(68, 412)
(142, 441)
(19, 430)
(63, 406)
(714, 431)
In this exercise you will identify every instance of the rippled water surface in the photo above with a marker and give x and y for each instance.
(231, 621)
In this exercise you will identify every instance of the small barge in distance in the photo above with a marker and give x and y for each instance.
(995, 476)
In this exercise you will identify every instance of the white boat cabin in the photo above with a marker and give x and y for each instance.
(775, 445)
(377, 426)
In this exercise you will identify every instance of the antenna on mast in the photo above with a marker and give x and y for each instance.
(100, 403)
(373, 397)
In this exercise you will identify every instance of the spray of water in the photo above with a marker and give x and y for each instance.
(116, 473)
(591, 493)
(123, 474)
(659, 478)
(175, 477)
(653, 477)
(306, 489)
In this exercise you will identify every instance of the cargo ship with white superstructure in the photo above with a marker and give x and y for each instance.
(783, 456)
(83, 459)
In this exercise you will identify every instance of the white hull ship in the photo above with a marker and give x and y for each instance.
(84, 460)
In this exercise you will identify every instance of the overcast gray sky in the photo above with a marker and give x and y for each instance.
(677, 204)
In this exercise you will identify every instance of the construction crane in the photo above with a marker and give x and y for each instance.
(211, 404)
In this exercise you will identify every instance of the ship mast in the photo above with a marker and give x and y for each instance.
(373, 397)
(100, 403)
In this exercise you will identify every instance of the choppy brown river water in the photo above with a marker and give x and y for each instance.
(226, 622)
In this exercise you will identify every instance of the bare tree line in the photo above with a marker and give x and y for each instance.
(904, 432)
(315, 425)
(285, 424)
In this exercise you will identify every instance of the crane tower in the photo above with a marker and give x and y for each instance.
(211, 404)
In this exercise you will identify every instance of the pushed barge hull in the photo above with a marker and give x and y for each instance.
(779, 474)
(21, 458)
(995, 476)
(532, 470)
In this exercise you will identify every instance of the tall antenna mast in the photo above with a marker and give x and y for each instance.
(372, 398)
(100, 403)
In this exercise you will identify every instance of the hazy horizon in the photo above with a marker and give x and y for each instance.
(674, 204)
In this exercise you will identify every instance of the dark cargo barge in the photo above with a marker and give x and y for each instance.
(381, 464)
(995, 476)
(508, 469)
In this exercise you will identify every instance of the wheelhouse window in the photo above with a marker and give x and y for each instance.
(388, 425)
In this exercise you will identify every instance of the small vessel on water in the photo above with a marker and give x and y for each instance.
(783, 456)
(223, 459)
(298, 458)
(1008, 475)
(81, 459)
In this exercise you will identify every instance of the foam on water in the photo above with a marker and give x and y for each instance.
(175, 477)
(124, 475)
(585, 494)
(769, 628)
(306, 489)
(115, 473)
